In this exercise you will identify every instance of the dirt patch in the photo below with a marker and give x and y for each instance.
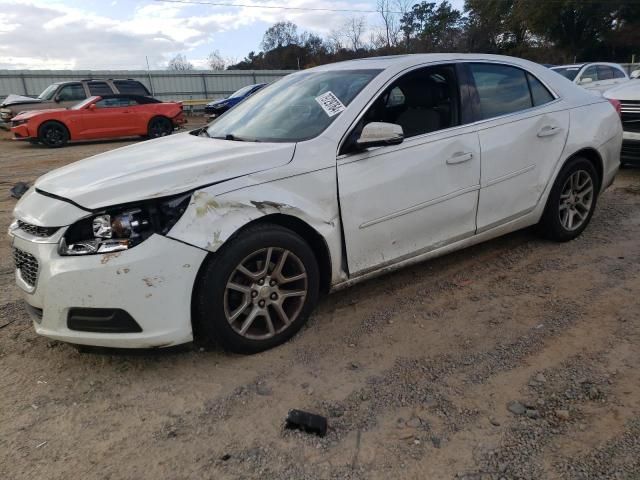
(414, 371)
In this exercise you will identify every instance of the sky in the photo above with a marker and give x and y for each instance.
(118, 34)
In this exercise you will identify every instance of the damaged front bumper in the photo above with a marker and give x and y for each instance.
(150, 285)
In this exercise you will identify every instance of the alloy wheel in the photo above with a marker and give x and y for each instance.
(576, 200)
(265, 293)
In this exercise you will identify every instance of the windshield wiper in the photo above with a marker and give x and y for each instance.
(234, 138)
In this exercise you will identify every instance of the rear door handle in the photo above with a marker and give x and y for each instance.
(548, 131)
(459, 157)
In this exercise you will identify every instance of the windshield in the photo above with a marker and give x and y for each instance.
(243, 91)
(83, 103)
(48, 92)
(568, 72)
(298, 107)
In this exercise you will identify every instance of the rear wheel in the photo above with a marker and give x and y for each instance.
(159, 127)
(571, 202)
(256, 292)
(53, 134)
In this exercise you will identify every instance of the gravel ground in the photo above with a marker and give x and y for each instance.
(515, 359)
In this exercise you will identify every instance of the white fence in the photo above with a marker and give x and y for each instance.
(164, 84)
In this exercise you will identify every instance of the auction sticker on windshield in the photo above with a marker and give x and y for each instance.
(330, 103)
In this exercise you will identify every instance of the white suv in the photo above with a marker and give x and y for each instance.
(593, 76)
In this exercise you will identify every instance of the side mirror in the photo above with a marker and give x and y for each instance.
(56, 99)
(585, 80)
(380, 134)
(92, 106)
(635, 74)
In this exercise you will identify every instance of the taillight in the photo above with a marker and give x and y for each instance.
(617, 105)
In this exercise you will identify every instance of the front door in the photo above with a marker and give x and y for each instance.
(399, 201)
(112, 117)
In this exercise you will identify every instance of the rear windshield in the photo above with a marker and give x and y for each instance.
(298, 107)
(567, 72)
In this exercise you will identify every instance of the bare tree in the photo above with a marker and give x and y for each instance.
(179, 63)
(389, 21)
(335, 41)
(215, 61)
(354, 29)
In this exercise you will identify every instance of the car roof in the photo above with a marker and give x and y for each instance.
(573, 65)
(410, 60)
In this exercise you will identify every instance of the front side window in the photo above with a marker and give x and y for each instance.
(298, 107)
(590, 73)
(422, 101)
(73, 92)
(113, 103)
(502, 89)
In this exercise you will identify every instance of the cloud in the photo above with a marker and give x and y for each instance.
(48, 34)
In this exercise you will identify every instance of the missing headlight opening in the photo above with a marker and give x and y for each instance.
(123, 227)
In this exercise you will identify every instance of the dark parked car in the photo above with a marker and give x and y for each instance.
(218, 107)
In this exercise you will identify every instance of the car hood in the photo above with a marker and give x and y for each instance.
(18, 99)
(627, 91)
(158, 168)
(215, 103)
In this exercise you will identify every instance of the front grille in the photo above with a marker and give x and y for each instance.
(630, 110)
(42, 232)
(630, 150)
(28, 266)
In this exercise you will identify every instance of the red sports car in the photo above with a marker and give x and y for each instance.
(107, 116)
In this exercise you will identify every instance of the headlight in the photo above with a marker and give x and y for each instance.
(15, 123)
(5, 114)
(220, 105)
(121, 228)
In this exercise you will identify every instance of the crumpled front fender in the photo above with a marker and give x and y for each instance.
(210, 220)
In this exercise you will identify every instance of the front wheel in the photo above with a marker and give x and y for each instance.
(256, 292)
(571, 202)
(53, 134)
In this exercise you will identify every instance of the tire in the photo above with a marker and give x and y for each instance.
(159, 127)
(53, 134)
(570, 206)
(227, 300)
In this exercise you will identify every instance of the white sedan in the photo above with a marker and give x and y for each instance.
(330, 176)
(594, 76)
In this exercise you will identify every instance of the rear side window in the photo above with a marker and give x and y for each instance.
(72, 92)
(539, 93)
(501, 89)
(131, 87)
(605, 72)
(618, 73)
(99, 88)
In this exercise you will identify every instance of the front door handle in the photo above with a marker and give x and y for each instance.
(460, 157)
(548, 131)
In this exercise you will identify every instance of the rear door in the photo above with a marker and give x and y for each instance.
(399, 201)
(522, 131)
